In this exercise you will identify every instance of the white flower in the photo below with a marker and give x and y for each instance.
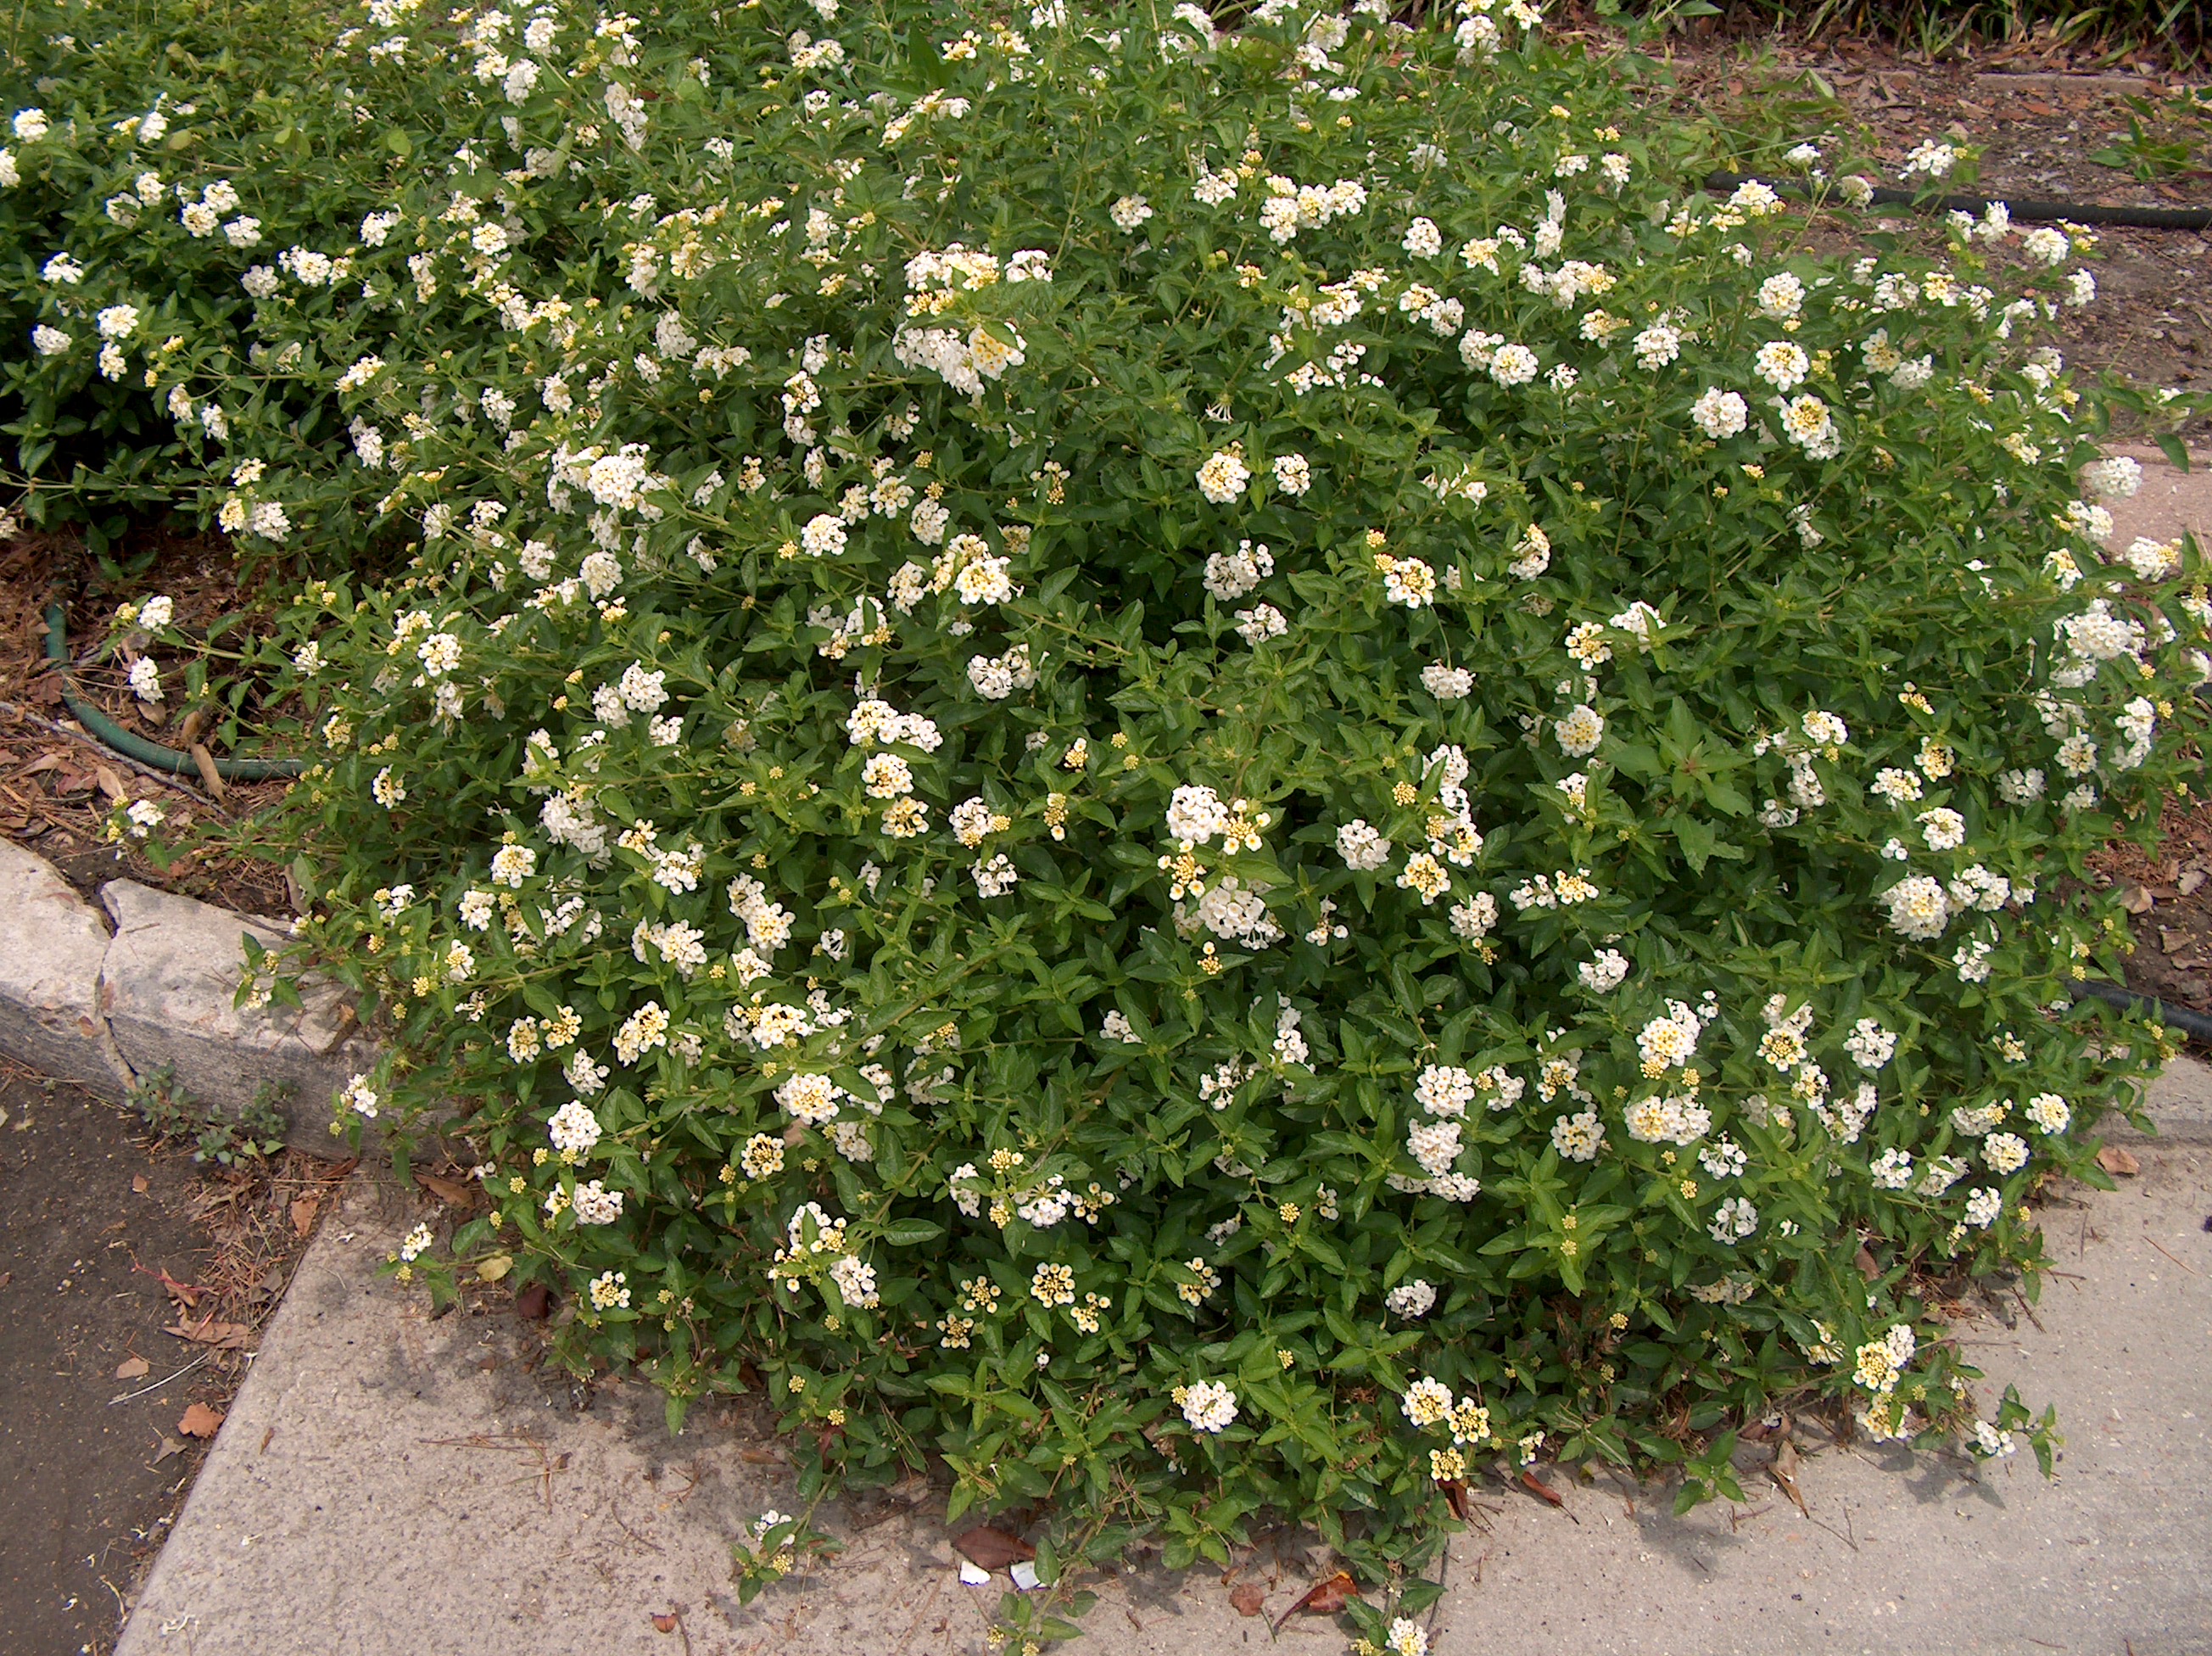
(1656, 346)
(1223, 477)
(1129, 213)
(1605, 971)
(1780, 297)
(1423, 240)
(49, 341)
(1719, 413)
(1447, 683)
(1945, 830)
(1208, 1406)
(1918, 907)
(1513, 365)
(1411, 1300)
(1196, 814)
(118, 321)
(31, 124)
(573, 1129)
(1361, 847)
(1580, 732)
(1930, 159)
(1783, 364)
(146, 680)
(1292, 475)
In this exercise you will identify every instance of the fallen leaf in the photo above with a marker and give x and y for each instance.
(1784, 1474)
(2190, 880)
(201, 1421)
(1536, 1486)
(2113, 1159)
(1324, 1597)
(994, 1549)
(304, 1210)
(492, 1269)
(133, 1368)
(450, 1192)
(663, 1623)
(111, 784)
(1457, 1498)
(2134, 898)
(210, 778)
(140, 1184)
(1247, 1597)
(169, 1446)
(1868, 1266)
(533, 1302)
(184, 1294)
(223, 1337)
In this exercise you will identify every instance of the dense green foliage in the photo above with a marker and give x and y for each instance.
(1217, 772)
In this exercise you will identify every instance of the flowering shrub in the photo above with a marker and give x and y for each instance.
(1217, 770)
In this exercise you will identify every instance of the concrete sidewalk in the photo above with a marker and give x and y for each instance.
(392, 1484)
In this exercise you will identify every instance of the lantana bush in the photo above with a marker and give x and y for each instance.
(1215, 771)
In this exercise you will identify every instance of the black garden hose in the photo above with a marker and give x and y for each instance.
(2195, 1024)
(2027, 209)
(137, 747)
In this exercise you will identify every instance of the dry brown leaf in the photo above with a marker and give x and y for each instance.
(1458, 1499)
(663, 1623)
(304, 1210)
(1325, 1597)
(1784, 1474)
(201, 1421)
(223, 1337)
(2118, 1162)
(2189, 881)
(451, 1191)
(533, 1302)
(1869, 1267)
(1536, 1486)
(2134, 898)
(169, 1446)
(133, 1368)
(186, 1294)
(1247, 1597)
(210, 778)
(111, 784)
(140, 1184)
(993, 1549)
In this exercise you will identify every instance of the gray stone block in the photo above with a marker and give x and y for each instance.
(169, 986)
(52, 944)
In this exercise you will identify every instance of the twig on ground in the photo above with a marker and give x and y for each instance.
(2177, 1258)
(158, 1385)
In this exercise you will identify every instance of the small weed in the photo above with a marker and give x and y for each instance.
(2165, 138)
(176, 1118)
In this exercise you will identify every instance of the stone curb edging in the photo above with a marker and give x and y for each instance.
(82, 1005)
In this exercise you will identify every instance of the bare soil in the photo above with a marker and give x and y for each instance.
(109, 1245)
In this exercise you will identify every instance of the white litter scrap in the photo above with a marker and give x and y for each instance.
(974, 1575)
(1025, 1576)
